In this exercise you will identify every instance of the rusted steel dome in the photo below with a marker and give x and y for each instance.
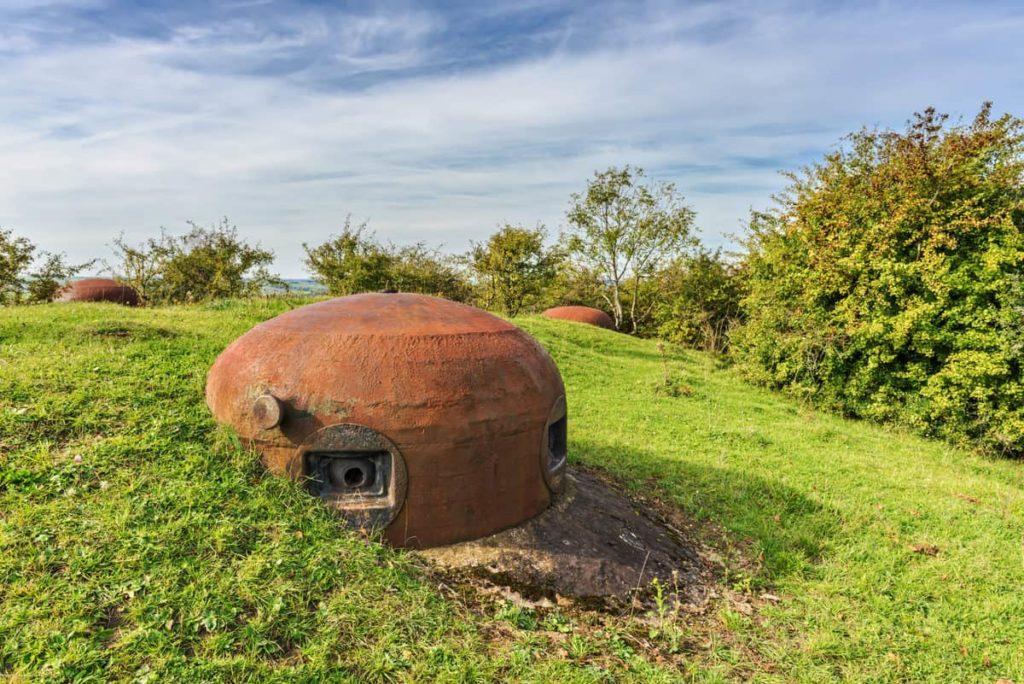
(98, 290)
(581, 314)
(434, 420)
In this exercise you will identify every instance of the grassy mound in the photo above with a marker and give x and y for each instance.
(139, 541)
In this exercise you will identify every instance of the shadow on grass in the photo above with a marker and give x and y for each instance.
(780, 529)
(128, 331)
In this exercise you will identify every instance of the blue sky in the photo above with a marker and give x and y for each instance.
(436, 121)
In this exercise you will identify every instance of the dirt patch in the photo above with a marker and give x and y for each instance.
(595, 545)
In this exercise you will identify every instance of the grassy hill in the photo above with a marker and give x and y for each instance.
(139, 541)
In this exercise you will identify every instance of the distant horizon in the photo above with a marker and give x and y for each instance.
(438, 121)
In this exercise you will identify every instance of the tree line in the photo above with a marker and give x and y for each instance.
(629, 248)
(886, 281)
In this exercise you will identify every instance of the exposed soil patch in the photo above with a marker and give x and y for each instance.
(595, 545)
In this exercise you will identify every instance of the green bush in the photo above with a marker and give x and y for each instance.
(699, 301)
(201, 265)
(354, 261)
(575, 285)
(513, 268)
(886, 282)
(19, 284)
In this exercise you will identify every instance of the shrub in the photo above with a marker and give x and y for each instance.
(15, 258)
(18, 283)
(887, 280)
(201, 265)
(699, 301)
(354, 261)
(417, 268)
(513, 268)
(45, 282)
(574, 284)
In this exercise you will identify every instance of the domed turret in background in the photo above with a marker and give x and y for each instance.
(99, 290)
(581, 314)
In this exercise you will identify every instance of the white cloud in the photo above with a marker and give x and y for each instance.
(133, 133)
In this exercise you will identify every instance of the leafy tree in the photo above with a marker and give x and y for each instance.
(624, 227)
(886, 280)
(574, 284)
(417, 268)
(16, 255)
(141, 266)
(645, 294)
(350, 262)
(513, 267)
(353, 261)
(18, 283)
(201, 265)
(47, 279)
(699, 300)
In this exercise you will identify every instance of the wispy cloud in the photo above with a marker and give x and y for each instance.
(438, 122)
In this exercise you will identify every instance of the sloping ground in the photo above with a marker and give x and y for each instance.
(138, 541)
(895, 558)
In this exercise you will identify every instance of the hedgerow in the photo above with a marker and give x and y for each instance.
(886, 281)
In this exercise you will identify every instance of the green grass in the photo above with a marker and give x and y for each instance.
(162, 552)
